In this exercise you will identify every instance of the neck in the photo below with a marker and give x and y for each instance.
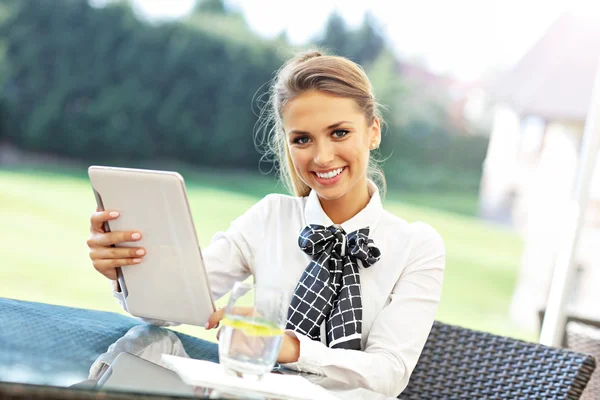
(342, 209)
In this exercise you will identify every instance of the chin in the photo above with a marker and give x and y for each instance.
(330, 194)
(334, 192)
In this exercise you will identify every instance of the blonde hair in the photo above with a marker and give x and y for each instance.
(307, 71)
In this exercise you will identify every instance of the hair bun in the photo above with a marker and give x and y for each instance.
(308, 55)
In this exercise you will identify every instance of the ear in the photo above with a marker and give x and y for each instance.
(375, 134)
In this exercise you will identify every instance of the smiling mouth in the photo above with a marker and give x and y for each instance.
(330, 174)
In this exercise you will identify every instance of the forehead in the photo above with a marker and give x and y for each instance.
(318, 110)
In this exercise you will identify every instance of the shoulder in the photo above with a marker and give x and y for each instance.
(277, 201)
(425, 234)
(275, 204)
(419, 244)
(266, 214)
(420, 235)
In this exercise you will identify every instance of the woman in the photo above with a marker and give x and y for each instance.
(380, 277)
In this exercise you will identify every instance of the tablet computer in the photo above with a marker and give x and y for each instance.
(170, 284)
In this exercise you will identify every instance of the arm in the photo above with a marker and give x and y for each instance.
(397, 335)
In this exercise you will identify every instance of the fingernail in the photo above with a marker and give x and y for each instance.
(137, 260)
(140, 252)
(114, 214)
(136, 236)
(207, 325)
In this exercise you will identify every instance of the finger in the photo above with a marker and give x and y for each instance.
(107, 267)
(109, 273)
(215, 318)
(218, 315)
(99, 253)
(100, 217)
(243, 345)
(110, 238)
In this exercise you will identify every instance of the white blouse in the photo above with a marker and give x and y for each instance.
(400, 292)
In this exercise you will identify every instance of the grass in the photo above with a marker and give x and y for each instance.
(45, 216)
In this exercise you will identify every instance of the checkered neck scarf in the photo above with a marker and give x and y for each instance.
(329, 288)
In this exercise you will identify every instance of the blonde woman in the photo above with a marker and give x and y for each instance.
(364, 284)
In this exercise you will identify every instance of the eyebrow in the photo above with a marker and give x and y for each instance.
(332, 126)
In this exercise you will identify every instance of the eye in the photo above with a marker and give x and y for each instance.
(340, 133)
(300, 140)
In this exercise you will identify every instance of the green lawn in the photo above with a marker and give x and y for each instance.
(45, 217)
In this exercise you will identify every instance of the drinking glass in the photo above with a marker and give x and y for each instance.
(252, 329)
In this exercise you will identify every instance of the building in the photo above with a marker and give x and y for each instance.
(531, 164)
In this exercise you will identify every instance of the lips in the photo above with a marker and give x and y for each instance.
(329, 178)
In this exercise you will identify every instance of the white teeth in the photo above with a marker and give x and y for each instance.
(330, 174)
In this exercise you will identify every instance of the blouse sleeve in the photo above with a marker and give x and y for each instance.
(399, 332)
(229, 257)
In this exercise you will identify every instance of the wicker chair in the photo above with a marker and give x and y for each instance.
(585, 338)
(582, 335)
(459, 363)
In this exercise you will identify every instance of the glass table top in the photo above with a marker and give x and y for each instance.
(62, 347)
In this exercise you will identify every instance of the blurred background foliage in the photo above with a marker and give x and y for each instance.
(99, 85)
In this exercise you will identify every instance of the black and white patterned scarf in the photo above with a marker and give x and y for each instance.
(329, 288)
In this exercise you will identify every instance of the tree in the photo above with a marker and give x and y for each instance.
(98, 84)
(368, 41)
(388, 86)
(211, 6)
(336, 35)
(362, 45)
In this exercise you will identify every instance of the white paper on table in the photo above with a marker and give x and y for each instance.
(212, 375)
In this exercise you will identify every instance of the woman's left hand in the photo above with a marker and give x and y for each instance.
(290, 346)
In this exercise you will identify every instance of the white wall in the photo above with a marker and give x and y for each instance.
(499, 168)
(544, 197)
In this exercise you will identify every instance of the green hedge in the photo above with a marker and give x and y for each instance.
(99, 84)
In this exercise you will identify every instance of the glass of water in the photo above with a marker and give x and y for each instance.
(252, 329)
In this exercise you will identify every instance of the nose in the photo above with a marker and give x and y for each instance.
(324, 153)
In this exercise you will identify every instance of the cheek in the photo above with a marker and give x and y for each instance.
(299, 158)
(356, 152)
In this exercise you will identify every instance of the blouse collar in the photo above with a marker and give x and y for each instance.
(367, 217)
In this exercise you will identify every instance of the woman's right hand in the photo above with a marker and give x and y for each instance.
(106, 258)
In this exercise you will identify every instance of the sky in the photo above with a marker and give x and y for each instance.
(463, 38)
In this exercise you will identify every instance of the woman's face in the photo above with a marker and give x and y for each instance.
(329, 140)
